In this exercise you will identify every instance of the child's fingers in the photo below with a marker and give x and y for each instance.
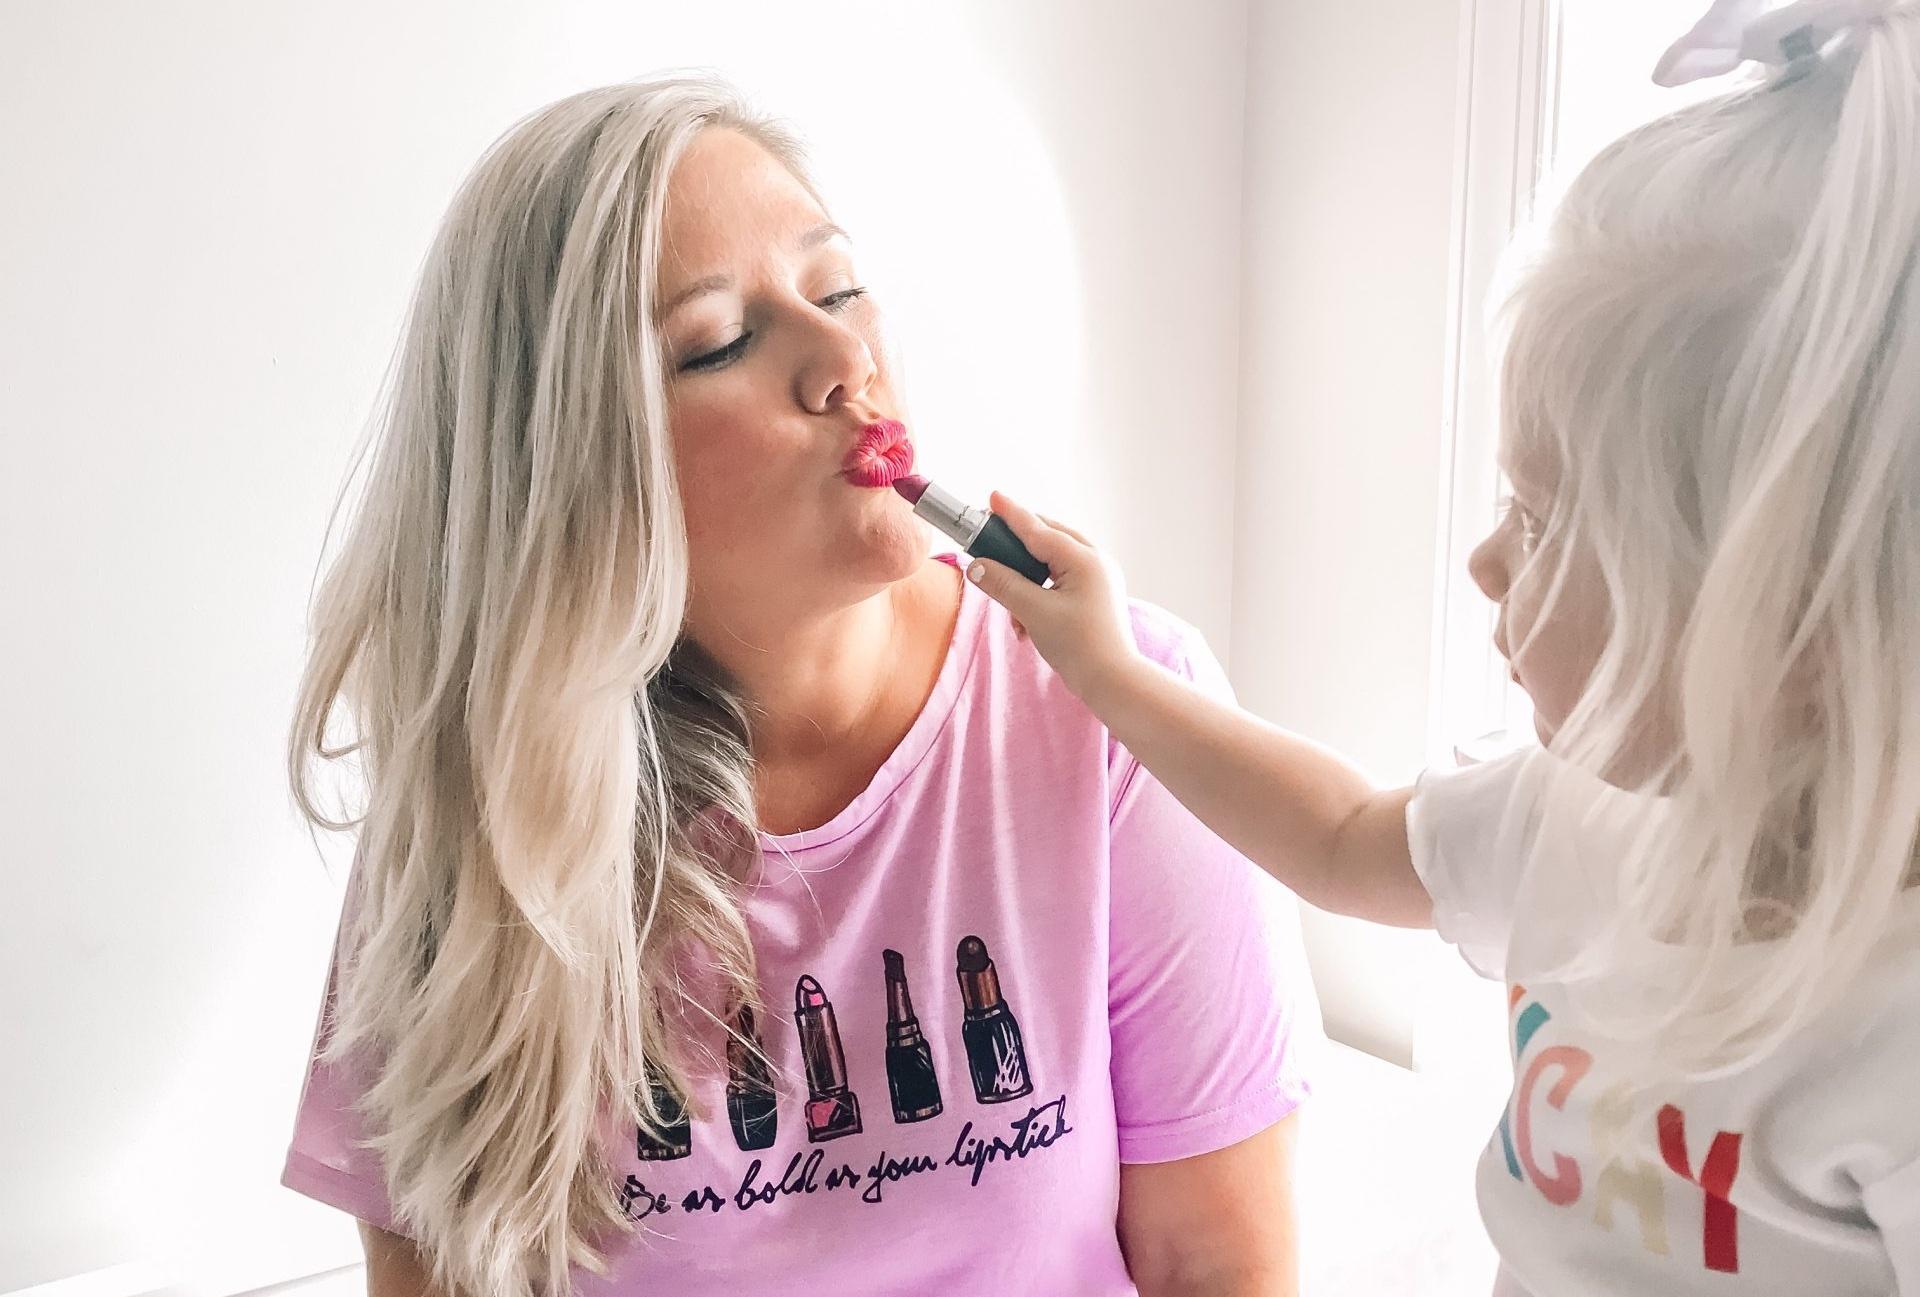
(1012, 591)
(1051, 545)
(1071, 531)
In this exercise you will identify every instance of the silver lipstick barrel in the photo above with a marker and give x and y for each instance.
(952, 518)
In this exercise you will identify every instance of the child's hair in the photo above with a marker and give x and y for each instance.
(1716, 344)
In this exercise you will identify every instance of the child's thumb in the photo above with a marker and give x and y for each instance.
(1006, 587)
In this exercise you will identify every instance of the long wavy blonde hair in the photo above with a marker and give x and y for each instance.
(1716, 338)
(559, 790)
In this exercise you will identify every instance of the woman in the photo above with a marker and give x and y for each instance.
(741, 905)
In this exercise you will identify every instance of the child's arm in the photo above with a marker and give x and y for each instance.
(1290, 806)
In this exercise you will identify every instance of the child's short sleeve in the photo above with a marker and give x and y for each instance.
(1469, 832)
(1212, 1012)
(1893, 1204)
(1854, 1093)
(327, 1159)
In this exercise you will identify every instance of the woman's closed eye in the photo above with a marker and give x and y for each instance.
(721, 357)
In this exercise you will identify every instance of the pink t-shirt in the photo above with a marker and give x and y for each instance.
(1011, 964)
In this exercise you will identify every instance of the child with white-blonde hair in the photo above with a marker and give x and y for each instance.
(1701, 886)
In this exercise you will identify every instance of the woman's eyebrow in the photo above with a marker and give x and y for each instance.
(825, 232)
(698, 288)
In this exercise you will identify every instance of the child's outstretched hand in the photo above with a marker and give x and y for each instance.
(1079, 623)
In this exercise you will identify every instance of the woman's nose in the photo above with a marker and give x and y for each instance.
(838, 367)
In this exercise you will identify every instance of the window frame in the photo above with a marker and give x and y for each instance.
(1506, 134)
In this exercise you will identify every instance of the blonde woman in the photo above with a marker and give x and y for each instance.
(741, 905)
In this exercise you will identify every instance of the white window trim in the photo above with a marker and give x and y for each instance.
(1511, 54)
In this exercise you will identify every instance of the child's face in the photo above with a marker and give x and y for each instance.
(1552, 651)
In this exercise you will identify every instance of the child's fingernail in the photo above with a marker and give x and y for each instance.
(977, 573)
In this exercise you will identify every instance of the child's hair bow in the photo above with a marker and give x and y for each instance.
(1740, 31)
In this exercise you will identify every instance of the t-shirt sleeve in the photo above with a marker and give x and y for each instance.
(1893, 1204)
(1212, 1012)
(1858, 1096)
(1468, 831)
(328, 1159)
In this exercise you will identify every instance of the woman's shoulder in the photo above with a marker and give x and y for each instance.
(1173, 643)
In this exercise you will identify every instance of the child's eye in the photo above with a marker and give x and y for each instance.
(1523, 517)
(1530, 528)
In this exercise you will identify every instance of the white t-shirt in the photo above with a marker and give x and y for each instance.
(1798, 1175)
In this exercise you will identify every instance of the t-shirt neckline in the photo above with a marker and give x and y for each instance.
(919, 740)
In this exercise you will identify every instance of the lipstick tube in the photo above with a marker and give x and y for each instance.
(979, 532)
(911, 1081)
(996, 1053)
(833, 1109)
(751, 1107)
(674, 1139)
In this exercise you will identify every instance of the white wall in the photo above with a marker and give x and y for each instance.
(214, 213)
(1350, 148)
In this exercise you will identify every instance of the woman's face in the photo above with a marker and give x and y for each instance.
(778, 372)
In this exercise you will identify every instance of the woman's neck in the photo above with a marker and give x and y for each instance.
(834, 693)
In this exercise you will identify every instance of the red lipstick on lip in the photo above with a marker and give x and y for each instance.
(883, 454)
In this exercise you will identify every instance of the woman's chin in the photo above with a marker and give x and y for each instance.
(887, 551)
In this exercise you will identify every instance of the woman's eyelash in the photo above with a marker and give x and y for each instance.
(733, 350)
(724, 356)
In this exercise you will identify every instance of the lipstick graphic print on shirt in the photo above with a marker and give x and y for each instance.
(996, 1055)
(674, 1139)
(833, 1109)
(751, 1108)
(911, 1081)
(1009, 1197)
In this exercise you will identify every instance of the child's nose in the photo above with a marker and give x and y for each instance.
(1488, 569)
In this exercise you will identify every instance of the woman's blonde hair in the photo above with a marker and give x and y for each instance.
(559, 790)
(1716, 341)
